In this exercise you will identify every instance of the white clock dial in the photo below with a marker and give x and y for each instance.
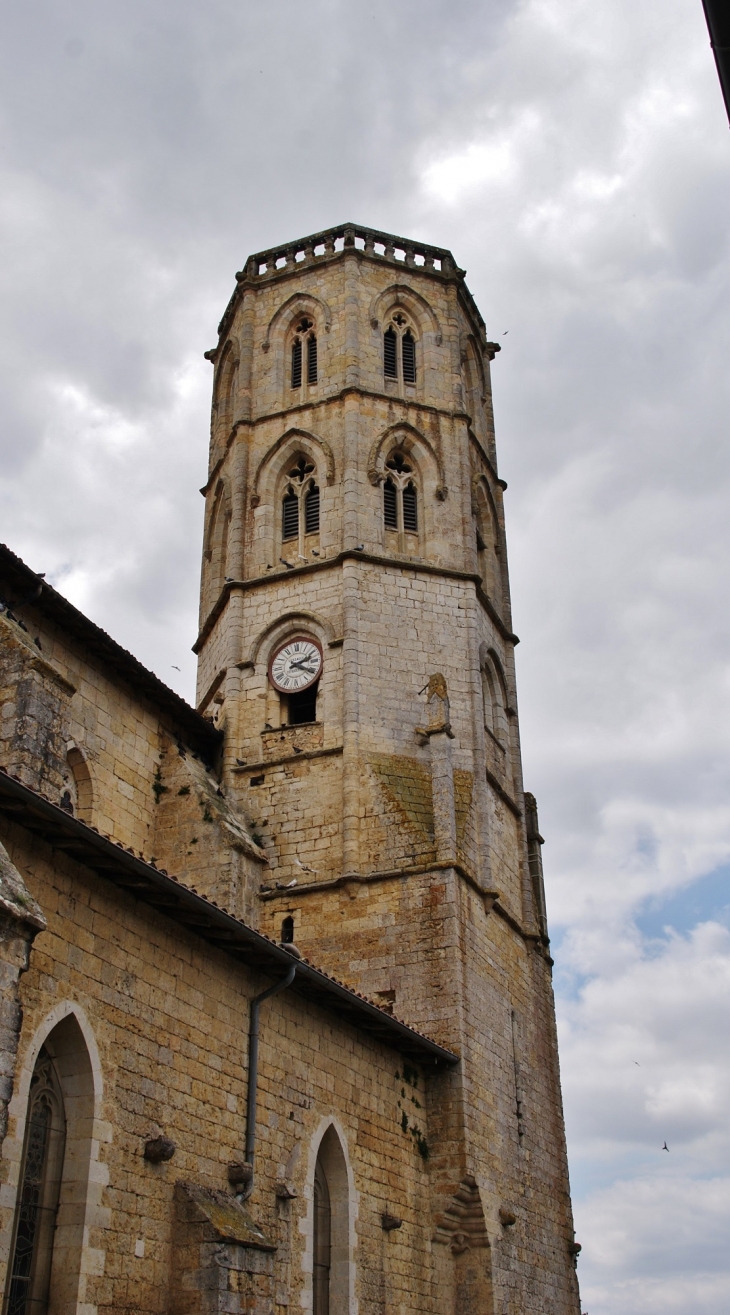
(296, 665)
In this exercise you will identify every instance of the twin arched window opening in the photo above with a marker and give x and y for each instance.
(304, 354)
(300, 504)
(399, 351)
(400, 497)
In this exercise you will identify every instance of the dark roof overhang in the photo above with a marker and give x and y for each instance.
(717, 13)
(184, 906)
(22, 588)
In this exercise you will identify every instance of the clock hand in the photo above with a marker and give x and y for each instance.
(309, 671)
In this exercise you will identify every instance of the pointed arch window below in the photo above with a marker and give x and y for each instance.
(40, 1187)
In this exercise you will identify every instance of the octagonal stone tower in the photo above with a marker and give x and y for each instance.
(353, 507)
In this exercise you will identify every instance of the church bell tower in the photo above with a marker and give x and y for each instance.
(356, 647)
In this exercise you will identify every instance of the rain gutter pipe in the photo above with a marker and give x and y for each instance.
(253, 1073)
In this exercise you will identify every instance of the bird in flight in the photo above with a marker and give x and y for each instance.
(665, 1147)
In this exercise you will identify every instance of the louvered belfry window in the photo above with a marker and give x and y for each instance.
(290, 516)
(390, 505)
(300, 504)
(304, 342)
(400, 498)
(390, 348)
(408, 348)
(296, 363)
(311, 511)
(399, 351)
(410, 509)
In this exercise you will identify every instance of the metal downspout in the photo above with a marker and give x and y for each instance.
(253, 1072)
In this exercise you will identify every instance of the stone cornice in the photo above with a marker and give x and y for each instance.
(376, 559)
(492, 898)
(292, 259)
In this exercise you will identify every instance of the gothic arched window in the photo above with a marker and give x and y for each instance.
(332, 1277)
(77, 792)
(496, 712)
(400, 499)
(40, 1186)
(399, 351)
(304, 352)
(488, 546)
(300, 505)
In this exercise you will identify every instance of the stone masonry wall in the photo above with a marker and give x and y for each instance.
(170, 1017)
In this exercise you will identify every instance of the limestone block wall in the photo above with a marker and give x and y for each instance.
(199, 834)
(21, 918)
(64, 701)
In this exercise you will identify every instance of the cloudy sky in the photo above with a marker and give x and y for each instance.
(575, 156)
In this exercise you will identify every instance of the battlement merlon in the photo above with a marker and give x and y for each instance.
(282, 262)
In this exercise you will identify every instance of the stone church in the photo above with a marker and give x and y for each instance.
(277, 1025)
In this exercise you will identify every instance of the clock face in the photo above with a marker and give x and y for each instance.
(296, 665)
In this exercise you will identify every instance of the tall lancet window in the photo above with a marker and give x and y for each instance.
(40, 1186)
(304, 354)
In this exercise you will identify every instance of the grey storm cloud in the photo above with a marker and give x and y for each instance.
(575, 156)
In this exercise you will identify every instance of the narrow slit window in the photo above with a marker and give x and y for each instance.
(311, 510)
(287, 931)
(410, 509)
(290, 516)
(408, 348)
(312, 360)
(390, 360)
(390, 505)
(296, 363)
